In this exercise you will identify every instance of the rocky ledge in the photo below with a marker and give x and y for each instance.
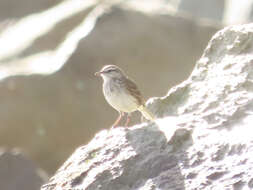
(203, 138)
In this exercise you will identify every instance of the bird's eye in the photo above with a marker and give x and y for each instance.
(110, 70)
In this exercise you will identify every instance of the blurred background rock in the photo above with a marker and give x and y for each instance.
(19, 172)
(49, 50)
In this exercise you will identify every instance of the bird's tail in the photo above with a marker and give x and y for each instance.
(146, 113)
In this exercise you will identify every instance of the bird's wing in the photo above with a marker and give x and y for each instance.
(133, 89)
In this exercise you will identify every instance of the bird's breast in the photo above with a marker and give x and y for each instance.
(118, 97)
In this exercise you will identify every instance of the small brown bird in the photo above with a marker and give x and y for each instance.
(122, 93)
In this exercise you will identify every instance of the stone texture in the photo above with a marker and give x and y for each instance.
(49, 95)
(202, 138)
(18, 172)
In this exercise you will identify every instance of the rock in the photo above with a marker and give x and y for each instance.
(18, 172)
(210, 118)
(121, 159)
(57, 107)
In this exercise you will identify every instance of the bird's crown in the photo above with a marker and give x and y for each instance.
(109, 68)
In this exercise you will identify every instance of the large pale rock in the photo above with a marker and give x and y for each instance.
(203, 139)
(52, 114)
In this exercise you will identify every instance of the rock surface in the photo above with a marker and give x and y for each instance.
(203, 139)
(69, 102)
(18, 172)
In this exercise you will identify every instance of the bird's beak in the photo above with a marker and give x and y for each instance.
(97, 73)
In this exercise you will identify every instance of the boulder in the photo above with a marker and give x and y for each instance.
(201, 139)
(19, 172)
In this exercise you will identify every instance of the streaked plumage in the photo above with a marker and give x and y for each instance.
(121, 92)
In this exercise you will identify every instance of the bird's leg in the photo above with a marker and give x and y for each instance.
(118, 119)
(127, 119)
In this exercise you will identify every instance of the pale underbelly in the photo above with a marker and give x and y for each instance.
(124, 103)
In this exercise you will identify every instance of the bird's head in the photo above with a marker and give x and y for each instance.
(109, 72)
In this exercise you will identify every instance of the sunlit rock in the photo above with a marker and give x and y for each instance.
(210, 146)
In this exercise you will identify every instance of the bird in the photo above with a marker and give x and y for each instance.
(122, 93)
